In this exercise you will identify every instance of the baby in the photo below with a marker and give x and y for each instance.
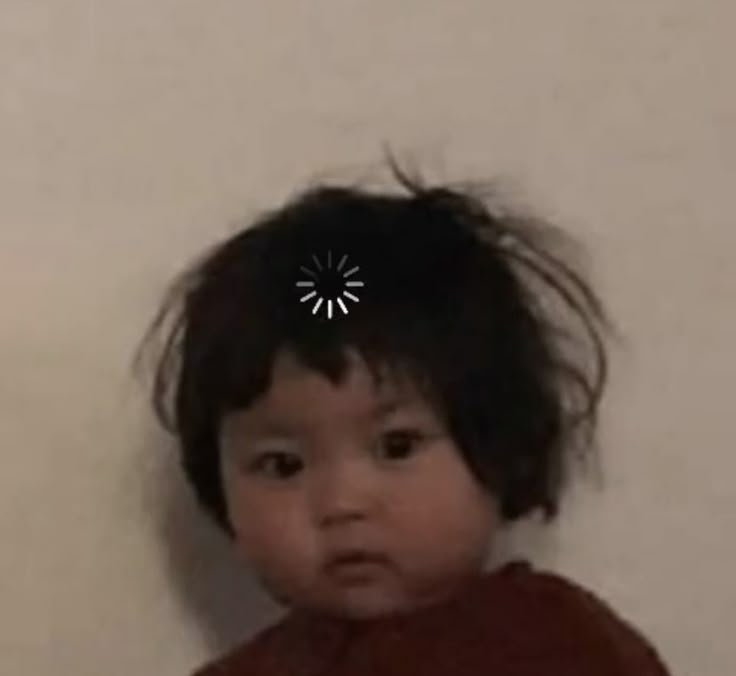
(366, 388)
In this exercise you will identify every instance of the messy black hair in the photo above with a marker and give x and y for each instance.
(476, 305)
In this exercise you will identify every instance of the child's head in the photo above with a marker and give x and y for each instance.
(408, 424)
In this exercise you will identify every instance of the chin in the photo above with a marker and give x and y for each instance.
(371, 608)
(367, 613)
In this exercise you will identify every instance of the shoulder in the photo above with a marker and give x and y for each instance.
(566, 617)
(244, 659)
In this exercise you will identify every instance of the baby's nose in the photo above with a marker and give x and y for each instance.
(346, 492)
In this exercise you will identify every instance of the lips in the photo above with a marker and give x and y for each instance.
(355, 560)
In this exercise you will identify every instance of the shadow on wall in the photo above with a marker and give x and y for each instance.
(213, 586)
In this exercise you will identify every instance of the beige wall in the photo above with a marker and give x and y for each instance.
(133, 133)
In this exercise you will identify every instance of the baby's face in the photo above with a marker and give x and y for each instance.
(312, 471)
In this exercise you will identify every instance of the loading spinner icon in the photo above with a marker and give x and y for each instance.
(330, 284)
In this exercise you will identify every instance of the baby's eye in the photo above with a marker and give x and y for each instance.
(399, 443)
(286, 465)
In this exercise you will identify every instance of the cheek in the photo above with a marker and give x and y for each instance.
(445, 505)
(440, 516)
(269, 530)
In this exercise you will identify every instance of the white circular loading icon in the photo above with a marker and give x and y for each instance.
(330, 284)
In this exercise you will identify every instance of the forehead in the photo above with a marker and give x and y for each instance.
(290, 374)
(300, 397)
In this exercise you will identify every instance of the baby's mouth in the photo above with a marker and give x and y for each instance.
(355, 564)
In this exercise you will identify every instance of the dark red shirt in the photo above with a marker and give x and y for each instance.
(514, 621)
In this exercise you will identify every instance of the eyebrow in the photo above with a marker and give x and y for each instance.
(379, 410)
(391, 405)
